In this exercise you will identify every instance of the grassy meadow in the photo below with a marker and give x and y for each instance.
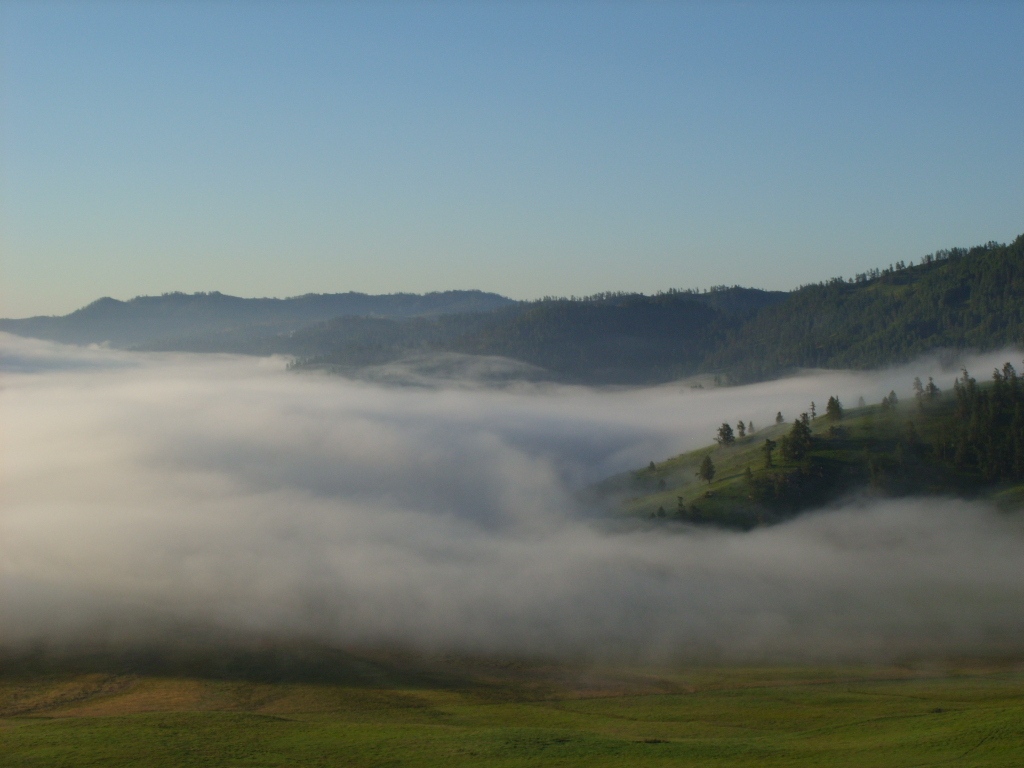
(479, 713)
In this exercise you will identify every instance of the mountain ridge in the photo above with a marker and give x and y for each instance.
(958, 299)
(148, 320)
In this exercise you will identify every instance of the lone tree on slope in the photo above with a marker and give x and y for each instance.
(834, 409)
(707, 469)
(725, 436)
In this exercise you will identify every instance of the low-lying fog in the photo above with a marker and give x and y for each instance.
(143, 494)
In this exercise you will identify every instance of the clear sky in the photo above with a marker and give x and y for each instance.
(280, 148)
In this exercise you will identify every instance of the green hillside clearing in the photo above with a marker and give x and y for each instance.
(951, 445)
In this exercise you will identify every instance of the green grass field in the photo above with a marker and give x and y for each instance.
(518, 715)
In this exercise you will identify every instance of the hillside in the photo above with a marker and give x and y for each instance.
(953, 299)
(611, 338)
(967, 443)
(957, 299)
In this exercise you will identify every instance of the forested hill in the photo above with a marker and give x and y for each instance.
(609, 338)
(622, 338)
(205, 321)
(953, 299)
(967, 442)
(959, 298)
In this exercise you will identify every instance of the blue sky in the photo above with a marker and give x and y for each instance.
(525, 148)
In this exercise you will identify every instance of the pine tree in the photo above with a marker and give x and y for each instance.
(707, 469)
(725, 436)
(834, 409)
(796, 444)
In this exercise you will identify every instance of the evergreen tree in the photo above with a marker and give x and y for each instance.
(707, 469)
(834, 409)
(985, 431)
(725, 436)
(796, 444)
(918, 391)
(768, 448)
(741, 429)
(778, 418)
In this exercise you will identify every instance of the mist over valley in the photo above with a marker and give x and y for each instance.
(458, 385)
(164, 498)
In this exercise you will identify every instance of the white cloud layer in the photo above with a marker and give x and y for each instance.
(144, 494)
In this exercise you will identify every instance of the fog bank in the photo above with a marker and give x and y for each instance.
(143, 494)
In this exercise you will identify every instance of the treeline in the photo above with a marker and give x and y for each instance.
(967, 441)
(985, 431)
(957, 299)
(954, 299)
(958, 441)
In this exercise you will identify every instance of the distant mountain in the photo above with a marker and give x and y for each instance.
(954, 299)
(217, 322)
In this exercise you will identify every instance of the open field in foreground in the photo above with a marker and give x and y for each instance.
(492, 714)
